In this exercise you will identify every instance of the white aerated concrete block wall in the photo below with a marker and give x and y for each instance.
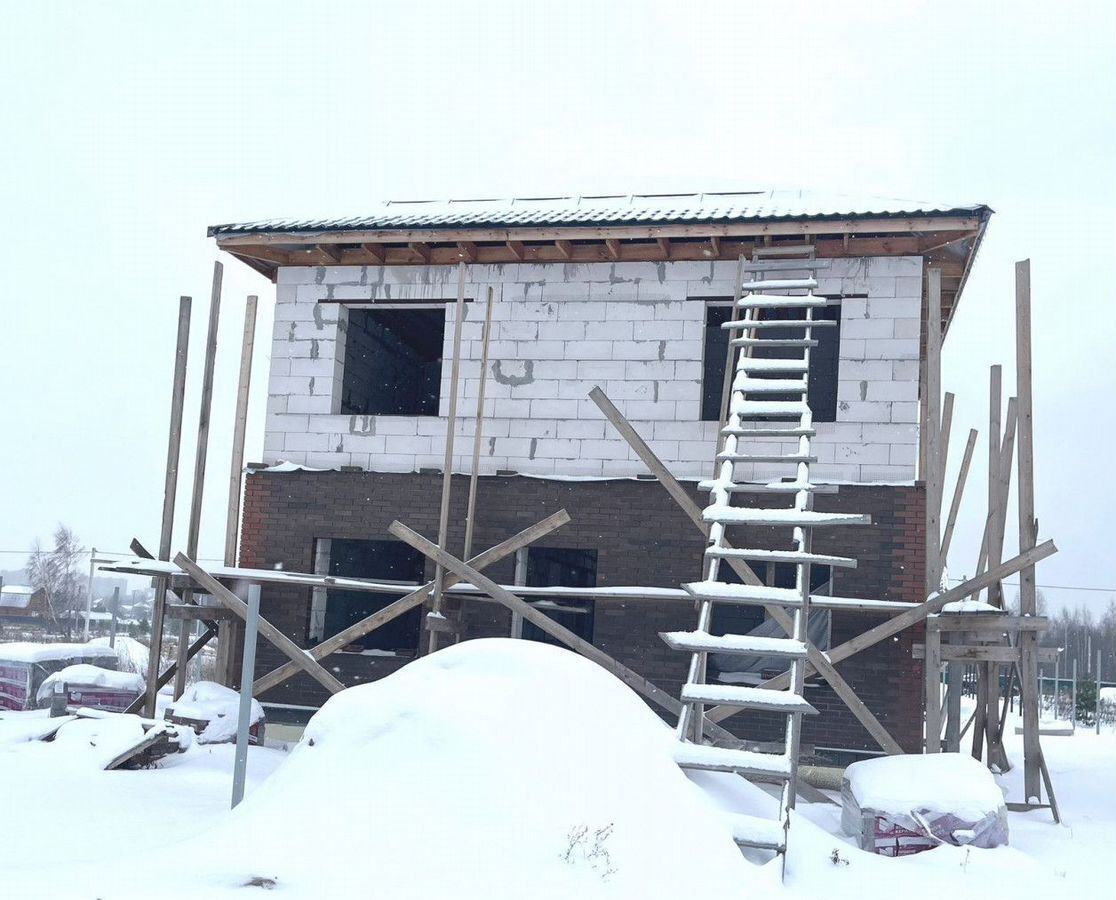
(635, 329)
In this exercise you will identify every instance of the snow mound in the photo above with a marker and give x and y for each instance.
(493, 768)
(216, 704)
(87, 676)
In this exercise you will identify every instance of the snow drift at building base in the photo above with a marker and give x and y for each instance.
(494, 768)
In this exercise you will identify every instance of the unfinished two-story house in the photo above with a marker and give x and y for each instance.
(625, 293)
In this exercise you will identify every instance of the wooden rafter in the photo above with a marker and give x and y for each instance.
(333, 254)
(468, 250)
(664, 247)
(564, 248)
(375, 252)
(715, 247)
(612, 245)
(516, 249)
(420, 249)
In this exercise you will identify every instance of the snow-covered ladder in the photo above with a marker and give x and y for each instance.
(750, 415)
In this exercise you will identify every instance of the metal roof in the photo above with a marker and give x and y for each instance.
(613, 209)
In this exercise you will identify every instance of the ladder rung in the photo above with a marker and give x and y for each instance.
(781, 556)
(737, 644)
(765, 458)
(745, 594)
(756, 364)
(739, 515)
(763, 834)
(723, 759)
(746, 385)
(742, 432)
(747, 698)
(773, 342)
(780, 409)
(735, 324)
(770, 487)
(781, 284)
(764, 301)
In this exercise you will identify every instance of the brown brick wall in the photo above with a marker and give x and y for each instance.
(642, 538)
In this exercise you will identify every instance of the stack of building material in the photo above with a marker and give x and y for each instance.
(899, 805)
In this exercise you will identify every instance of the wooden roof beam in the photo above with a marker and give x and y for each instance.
(564, 248)
(664, 247)
(375, 252)
(516, 248)
(420, 249)
(468, 251)
(612, 246)
(333, 254)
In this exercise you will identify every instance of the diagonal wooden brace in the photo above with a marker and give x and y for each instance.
(409, 601)
(229, 600)
(678, 493)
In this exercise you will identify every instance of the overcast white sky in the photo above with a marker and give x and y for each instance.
(128, 128)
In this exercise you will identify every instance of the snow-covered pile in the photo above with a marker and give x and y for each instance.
(26, 652)
(83, 675)
(895, 802)
(216, 704)
(493, 768)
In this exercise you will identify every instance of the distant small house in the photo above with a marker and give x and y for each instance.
(20, 603)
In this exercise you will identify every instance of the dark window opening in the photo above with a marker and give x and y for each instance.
(388, 560)
(824, 359)
(393, 362)
(562, 567)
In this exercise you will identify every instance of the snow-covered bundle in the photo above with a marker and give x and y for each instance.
(214, 709)
(898, 805)
(92, 679)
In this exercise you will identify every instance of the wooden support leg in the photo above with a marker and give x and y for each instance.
(953, 707)
(932, 668)
(980, 720)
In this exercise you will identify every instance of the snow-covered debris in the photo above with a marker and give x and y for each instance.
(216, 705)
(84, 675)
(897, 805)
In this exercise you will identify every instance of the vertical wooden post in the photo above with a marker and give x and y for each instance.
(931, 458)
(1028, 640)
(478, 430)
(194, 527)
(447, 470)
(227, 630)
(933, 663)
(519, 580)
(170, 488)
(932, 435)
(954, 672)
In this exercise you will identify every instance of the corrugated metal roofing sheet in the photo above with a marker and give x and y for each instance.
(620, 209)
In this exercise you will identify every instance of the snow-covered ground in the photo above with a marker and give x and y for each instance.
(491, 769)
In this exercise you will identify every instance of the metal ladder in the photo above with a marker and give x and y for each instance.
(750, 414)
